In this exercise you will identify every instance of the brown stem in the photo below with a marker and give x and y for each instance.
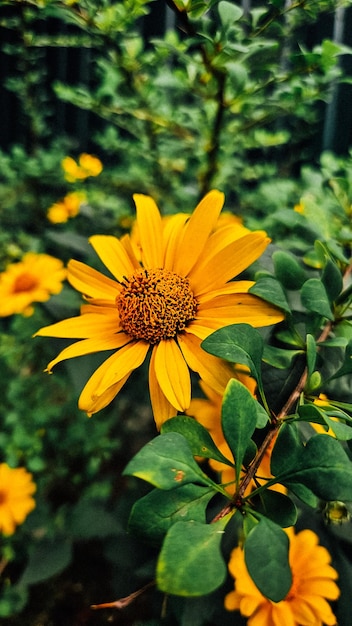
(123, 602)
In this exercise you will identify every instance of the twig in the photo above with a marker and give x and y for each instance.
(123, 602)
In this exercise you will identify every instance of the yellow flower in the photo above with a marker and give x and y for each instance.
(299, 208)
(207, 411)
(60, 212)
(87, 165)
(16, 502)
(306, 602)
(169, 303)
(34, 279)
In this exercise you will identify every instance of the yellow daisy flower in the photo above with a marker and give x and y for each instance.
(34, 279)
(16, 502)
(306, 602)
(87, 165)
(169, 302)
(60, 212)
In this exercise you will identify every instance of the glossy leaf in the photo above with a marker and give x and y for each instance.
(238, 420)
(190, 562)
(229, 13)
(287, 270)
(266, 556)
(237, 343)
(278, 507)
(279, 357)
(155, 513)
(332, 280)
(346, 368)
(311, 354)
(166, 462)
(321, 464)
(315, 299)
(270, 290)
(197, 436)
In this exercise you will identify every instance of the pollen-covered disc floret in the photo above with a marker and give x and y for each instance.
(155, 305)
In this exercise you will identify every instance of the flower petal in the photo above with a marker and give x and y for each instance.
(216, 270)
(197, 231)
(150, 230)
(90, 282)
(114, 256)
(89, 346)
(215, 372)
(171, 238)
(127, 359)
(92, 403)
(82, 326)
(162, 408)
(172, 374)
(246, 309)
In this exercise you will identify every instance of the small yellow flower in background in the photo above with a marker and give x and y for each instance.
(88, 165)
(168, 303)
(306, 602)
(68, 207)
(34, 279)
(16, 502)
(299, 208)
(207, 411)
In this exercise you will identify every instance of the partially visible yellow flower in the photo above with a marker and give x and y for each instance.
(306, 602)
(166, 303)
(88, 165)
(69, 206)
(34, 279)
(299, 208)
(16, 502)
(207, 411)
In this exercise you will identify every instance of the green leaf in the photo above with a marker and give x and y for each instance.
(49, 557)
(332, 280)
(279, 357)
(311, 354)
(321, 464)
(229, 13)
(197, 436)
(278, 507)
(237, 343)
(155, 513)
(270, 290)
(166, 462)
(238, 419)
(314, 298)
(288, 271)
(190, 562)
(266, 556)
(346, 367)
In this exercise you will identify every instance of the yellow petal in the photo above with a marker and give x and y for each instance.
(89, 346)
(228, 262)
(127, 359)
(236, 286)
(82, 326)
(90, 282)
(172, 374)
(162, 408)
(282, 614)
(248, 309)
(171, 237)
(215, 372)
(150, 230)
(113, 254)
(197, 231)
(92, 404)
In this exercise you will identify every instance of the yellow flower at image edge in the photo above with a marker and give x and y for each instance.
(34, 279)
(16, 502)
(166, 302)
(306, 602)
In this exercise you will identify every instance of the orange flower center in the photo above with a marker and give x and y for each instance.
(155, 305)
(3, 497)
(24, 282)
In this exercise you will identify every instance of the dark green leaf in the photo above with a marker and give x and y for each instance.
(238, 419)
(311, 354)
(197, 436)
(155, 513)
(237, 343)
(270, 290)
(166, 462)
(315, 299)
(190, 562)
(287, 270)
(229, 13)
(279, 357)
(266, 556)
(346, 368)
(49, 558)
(278, 507)
(332, 280)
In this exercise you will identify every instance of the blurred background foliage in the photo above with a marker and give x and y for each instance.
(175, 98)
